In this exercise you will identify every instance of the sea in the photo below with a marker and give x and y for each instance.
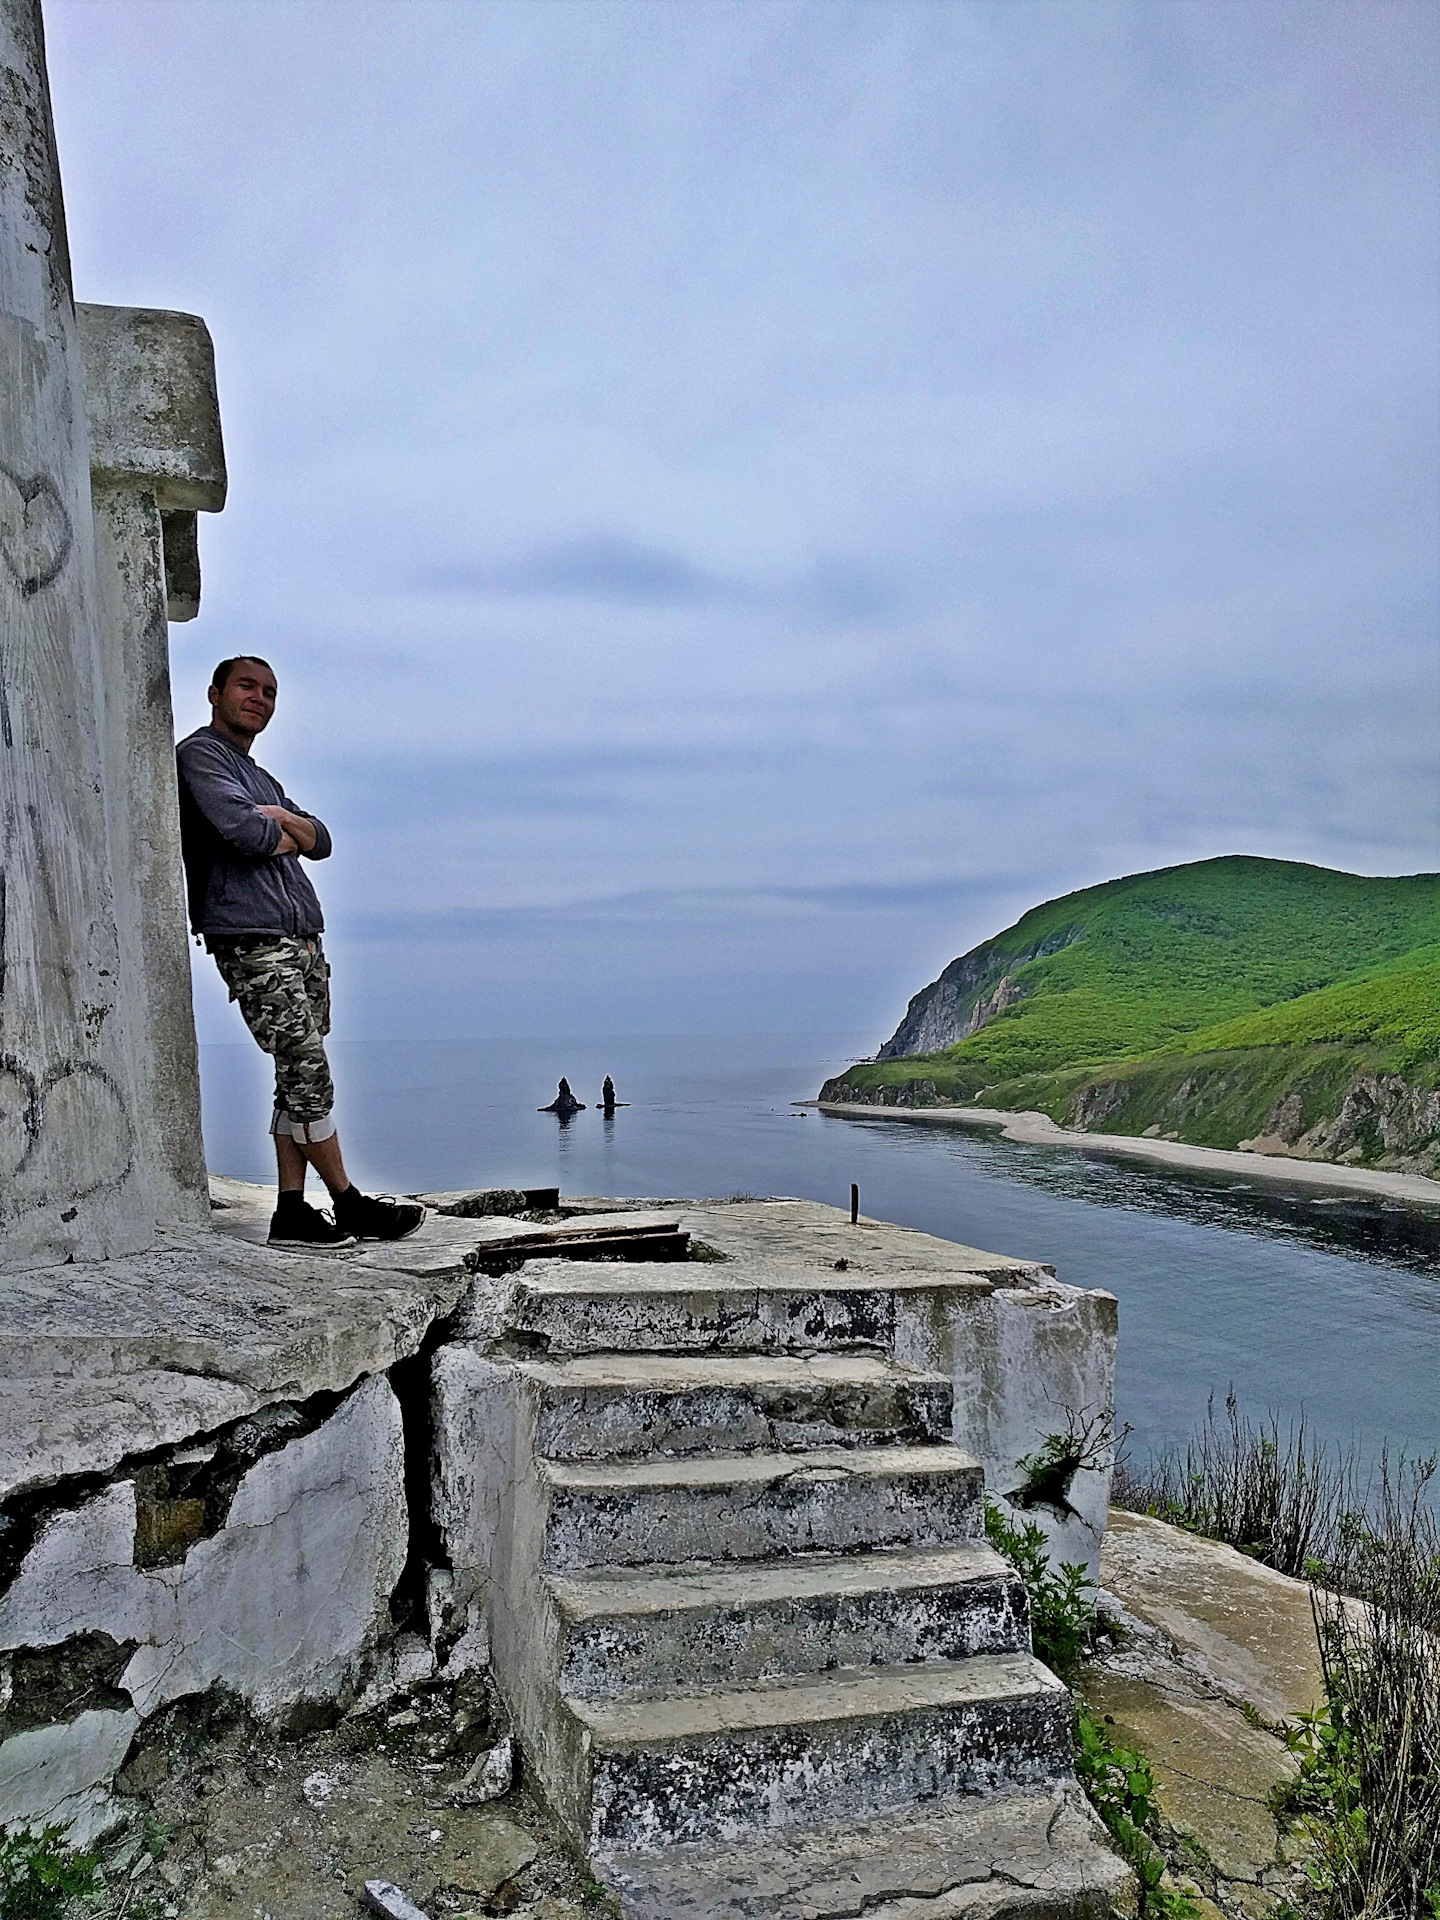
(1304, 1301)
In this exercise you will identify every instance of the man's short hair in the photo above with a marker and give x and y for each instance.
(226, 667)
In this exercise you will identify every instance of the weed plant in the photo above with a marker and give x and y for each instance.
(1368, 1792)
(1120, 1785)
(42, 1877)
(1064, 1629)
(1367, 1795)
(1064, 1626)
(1284, 1498)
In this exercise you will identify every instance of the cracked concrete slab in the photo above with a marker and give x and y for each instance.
(283, 1604)
(1235, 1622)
(1208, 1633)
(61, 1773)
(53, 1430)
(986, 1858)
(1214, 1772)
(101, 1363)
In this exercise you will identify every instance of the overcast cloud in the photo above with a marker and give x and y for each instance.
(745, 499)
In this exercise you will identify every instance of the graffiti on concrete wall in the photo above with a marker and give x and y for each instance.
(64, 1131)
(35, 530)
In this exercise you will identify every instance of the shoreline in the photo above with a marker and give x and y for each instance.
(1038, 1129)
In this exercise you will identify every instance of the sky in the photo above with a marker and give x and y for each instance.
(743, 500)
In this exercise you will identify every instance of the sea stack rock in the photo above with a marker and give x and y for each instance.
(564, 1102)
(607, 1095)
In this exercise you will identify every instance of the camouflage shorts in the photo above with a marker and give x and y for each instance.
(282, 987)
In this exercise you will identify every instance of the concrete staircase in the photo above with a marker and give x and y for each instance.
(744, 1615)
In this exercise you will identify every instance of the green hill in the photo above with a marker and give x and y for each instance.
(1229, 1001)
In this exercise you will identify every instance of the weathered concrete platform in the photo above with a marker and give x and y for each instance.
(724, 1458)
(105, 1360)
(108, 1360)
(1219, 1649)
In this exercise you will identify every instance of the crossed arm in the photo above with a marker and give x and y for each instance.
(297, 833)
(261, 832)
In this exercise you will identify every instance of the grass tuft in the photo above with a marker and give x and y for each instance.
(1281, 1497)
(1367, 1796)
(1368, 1793)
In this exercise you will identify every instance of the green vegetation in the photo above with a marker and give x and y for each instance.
(1367, 1795)
(1366, 1799)
(1210, 1003)
(1120, 1786)
(44, 1877)
(1064, 1629)
(1064, 1626)
(1394, 1009)
(41, 1877)
(1281, 1497)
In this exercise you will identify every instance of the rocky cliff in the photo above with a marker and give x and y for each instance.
(1234, 1002)
(968, 995)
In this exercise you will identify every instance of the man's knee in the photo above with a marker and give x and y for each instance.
(267, 981)
(304, 1090)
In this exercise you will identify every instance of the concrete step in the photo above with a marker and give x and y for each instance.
(609, 1406)
(700, 1307)
(713, 1765)
(1037, 1855)
(756, 1506)
(624, 1634)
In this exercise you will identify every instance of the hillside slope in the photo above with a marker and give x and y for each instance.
(1230, 1002)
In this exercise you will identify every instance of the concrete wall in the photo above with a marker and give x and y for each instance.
(155, 458)
(134, 1591)
(1033, 1368)
(68, 1132)
(99, 1090)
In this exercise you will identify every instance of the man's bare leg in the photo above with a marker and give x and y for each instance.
(325, 1157)
(292, 1157)
(291, 1164)
(356, 1213)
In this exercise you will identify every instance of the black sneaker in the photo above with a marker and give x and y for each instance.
(373, 1218)
(309, 1229)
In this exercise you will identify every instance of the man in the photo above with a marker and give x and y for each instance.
(254, 907)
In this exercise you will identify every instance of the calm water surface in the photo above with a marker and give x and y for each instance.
(1299, 1298)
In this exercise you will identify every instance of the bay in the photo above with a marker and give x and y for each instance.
(1302, 1299)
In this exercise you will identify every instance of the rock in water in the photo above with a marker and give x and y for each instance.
(564, 1102)
(607, 1095)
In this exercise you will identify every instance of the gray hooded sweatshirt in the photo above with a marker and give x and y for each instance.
(236, 882)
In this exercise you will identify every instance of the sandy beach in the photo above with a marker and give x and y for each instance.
(1038, 1129)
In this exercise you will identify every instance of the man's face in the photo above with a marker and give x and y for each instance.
(247, 700)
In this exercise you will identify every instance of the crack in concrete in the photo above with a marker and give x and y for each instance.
(1214, 1786)
(870, 1902)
